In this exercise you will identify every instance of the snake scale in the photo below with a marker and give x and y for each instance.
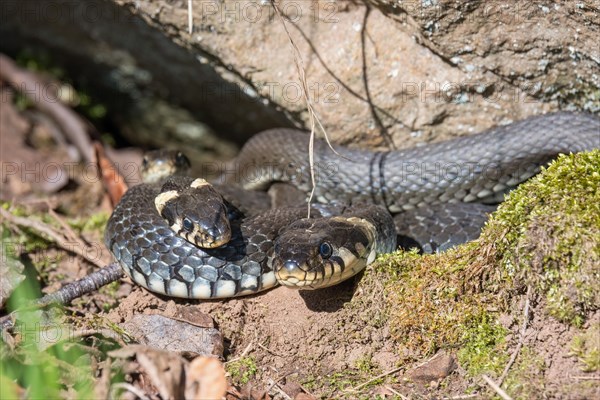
(425, 187)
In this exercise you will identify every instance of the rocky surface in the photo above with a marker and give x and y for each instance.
(397, 72)
(380, 73)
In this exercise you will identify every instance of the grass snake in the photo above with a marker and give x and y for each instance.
(437, 193)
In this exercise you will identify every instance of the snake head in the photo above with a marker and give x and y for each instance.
(320, 252)
(197, 213)
(159, 165)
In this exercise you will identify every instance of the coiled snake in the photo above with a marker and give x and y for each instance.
(426, 187)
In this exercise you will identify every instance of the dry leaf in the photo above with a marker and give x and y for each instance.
(205, 379)
(165, 370)
(113, 181)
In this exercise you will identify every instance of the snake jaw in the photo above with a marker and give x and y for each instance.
(209, 238)
(290, 273)
(323, 273)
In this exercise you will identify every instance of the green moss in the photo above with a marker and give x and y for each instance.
(242, 370)
(23, 240)
(340, 381)
(431, 302)
(327, 385)
(44, 359)
(586, 348)
(111, 291)
(546, 236)
(339, 384)
(525, 379)
(483, 351)
(365, 364)
(92, 223)
(17, 242)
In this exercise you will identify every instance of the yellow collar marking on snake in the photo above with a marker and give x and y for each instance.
(198, 183)
(163, 198)
(370, 229)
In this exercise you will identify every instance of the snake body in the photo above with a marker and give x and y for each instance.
(411, 183)
(480, 167)
(155, 257)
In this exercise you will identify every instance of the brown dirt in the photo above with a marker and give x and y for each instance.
(288, 332)
(320, 338)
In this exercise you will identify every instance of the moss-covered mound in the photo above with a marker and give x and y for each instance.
(545, 236)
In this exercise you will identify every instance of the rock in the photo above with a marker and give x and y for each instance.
(438, 368)
(426, 69)
(188, 314)
(167, 334)
(292, 389)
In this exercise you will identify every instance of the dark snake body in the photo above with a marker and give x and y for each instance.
(153, 255)
(467, 169)
(478, 168)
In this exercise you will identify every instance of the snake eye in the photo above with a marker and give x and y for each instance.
(145, 162)
(325, 250)
(187, 224)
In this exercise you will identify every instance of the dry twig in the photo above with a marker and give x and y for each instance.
(71, 235)
(341, 82)
(76, 247)
(496, 388)
(397, 393)
(269, 350)
(275, 386)
(190, 18)
(246, 351)
(363, 35)
(585, 378)
(87, 284)
(521, 338)
(36, 90)
(355, 388)
(129, 387)
(313, 118)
